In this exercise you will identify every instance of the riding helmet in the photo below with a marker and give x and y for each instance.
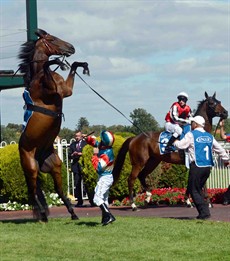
(107, 138)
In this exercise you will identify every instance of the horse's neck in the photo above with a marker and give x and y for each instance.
(208, 120)
(38, 61)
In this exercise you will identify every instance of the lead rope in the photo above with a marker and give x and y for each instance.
(109, 103)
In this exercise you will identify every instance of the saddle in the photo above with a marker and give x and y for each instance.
(165, 136)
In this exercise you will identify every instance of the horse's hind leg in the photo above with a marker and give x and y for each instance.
(53, 164)
(30, 168)
(149, 167)
(131, 180)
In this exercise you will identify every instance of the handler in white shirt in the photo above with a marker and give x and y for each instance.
(200, 145)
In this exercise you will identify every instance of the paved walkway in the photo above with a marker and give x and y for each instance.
(218, 213)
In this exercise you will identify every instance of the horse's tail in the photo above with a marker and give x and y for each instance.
(120, 159)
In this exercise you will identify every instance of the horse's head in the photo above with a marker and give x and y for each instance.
(214, 107)
(52, 45)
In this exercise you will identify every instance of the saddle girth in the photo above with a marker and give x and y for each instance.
(45, 111)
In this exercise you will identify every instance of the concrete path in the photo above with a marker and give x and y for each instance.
(218, 213)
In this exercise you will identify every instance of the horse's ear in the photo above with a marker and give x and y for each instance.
(214, 95)
(40, 33)
(206, 95)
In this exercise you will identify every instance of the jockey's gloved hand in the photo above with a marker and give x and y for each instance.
(90, 140)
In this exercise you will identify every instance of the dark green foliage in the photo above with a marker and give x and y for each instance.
(144, 120)
(66, 134)
(12, 181)
(173, 176)
(82, 125)
(48, 184)
(227, 125)
(11, 133)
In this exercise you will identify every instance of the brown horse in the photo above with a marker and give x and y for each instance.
(144, 148)
(44, 94)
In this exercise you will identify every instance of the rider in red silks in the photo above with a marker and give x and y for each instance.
(178, 115)
(225, 137)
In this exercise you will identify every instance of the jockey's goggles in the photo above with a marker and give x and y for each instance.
(182, 98)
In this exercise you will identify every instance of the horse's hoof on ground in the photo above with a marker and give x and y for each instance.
(74, 217)
(210, 205)
(134, 209)
(43, 220)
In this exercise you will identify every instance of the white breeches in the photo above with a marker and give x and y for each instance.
(102, 190)
(173, 128)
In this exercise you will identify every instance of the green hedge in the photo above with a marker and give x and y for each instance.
(13, 185)
(12, 181)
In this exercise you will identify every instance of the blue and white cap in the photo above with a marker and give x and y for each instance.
(107, 138)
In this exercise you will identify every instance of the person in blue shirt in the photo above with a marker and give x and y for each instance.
(103, 162)
(200, 145)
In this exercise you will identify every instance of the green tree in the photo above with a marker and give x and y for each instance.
(83, 125)
(97, 129)
(16, 127)
(67, 134)
(144, 120)
(10, 134)
(227, 125)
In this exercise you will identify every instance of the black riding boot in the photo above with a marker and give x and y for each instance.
(169, 147)
(107, 217)
(227, 197)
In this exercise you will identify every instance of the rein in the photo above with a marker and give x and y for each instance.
(98, 94)
(217, 126)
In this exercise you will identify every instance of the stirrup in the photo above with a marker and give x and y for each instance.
(168, 149)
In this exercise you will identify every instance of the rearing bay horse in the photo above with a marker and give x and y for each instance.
(44, 94)
(144, 148)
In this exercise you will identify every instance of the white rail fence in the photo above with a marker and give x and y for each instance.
(219, 178)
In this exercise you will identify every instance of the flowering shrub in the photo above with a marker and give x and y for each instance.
(169, 196)
(9, 206)
(52, 200)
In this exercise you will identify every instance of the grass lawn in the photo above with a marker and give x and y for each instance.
(128, 238)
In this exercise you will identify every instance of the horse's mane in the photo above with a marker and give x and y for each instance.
(200, 104)
(26, 56)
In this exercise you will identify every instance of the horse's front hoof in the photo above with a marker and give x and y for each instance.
(44, 218)
(74, 217)
(210, 205)
(146, 204)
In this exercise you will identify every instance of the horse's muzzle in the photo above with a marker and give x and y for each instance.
(224, 114)
(69, 51)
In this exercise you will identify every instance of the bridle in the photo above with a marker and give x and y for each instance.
(212, 106)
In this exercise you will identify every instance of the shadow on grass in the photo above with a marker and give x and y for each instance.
(88, 224)
(19, 221)
(182, 218)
